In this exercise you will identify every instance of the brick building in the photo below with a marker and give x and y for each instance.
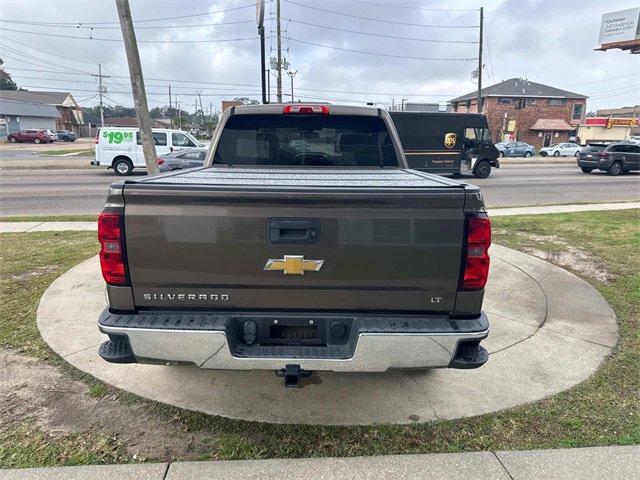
(518, 109)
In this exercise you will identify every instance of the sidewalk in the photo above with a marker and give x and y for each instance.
(24, 227)
(579, 463)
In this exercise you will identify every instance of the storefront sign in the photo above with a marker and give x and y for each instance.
(622, 122)
(620, 26)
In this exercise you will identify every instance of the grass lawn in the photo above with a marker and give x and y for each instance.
(603, 410)
(63, 151)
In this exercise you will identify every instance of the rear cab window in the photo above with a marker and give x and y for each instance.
(301, 140)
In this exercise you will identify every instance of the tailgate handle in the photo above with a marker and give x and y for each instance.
(294, 230)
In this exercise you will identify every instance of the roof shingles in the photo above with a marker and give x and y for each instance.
(520, 87)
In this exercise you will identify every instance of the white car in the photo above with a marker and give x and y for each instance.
(120, 148)
(52, 134)
(561, 150)
(635, 139)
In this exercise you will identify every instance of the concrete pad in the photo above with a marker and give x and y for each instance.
(147, 471)
(579, 310)
(543, 210)
(528, 360)
(445, 466)
(577, 463)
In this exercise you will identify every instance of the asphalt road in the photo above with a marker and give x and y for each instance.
(75, 191)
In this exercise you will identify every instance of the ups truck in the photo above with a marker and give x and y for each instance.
(447, 143)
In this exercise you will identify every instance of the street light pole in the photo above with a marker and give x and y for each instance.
(480, 61)
(279, 44)
(291, 75)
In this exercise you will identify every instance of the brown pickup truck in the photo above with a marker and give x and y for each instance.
(304, 243)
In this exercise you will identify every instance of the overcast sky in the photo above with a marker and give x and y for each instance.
(548, 41)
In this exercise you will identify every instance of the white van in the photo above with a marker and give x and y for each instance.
(120, 148)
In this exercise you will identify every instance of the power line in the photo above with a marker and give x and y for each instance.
(46, 52)
(381, 34)
(415, 8)
(602, 80)
(29, 22)
(376, 19)
(119, 40)
(88, 27)
(379, 54)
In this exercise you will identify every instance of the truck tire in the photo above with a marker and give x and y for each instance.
(586, 169)
(122, 166)
(615, 169)
(482, 170)
(13, 140)
(556, 153)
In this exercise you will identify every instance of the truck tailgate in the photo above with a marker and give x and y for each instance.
(385, 239)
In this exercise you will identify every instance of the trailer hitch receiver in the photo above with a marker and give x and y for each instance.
(291, 375)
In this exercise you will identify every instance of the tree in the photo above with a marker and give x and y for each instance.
(246, 101)
(6, 83)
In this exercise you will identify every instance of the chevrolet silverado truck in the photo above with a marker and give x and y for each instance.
(303, 244)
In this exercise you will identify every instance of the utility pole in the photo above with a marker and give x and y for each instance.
(402, 104)
(480, 61)
(201, 108)
(101, 91)
(279, 42)
(170, 116)
(137, 86)
(291, 75)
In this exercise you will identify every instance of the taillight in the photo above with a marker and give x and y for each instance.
(306, 109)
(111, 241)
(476, 266)
(159, 161)
(97, 136)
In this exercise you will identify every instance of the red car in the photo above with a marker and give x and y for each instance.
(35, 136)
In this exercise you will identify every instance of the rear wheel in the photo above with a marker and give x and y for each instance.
(527, 154)
(502, 154)
(615, 169)
(482, 170)
(556, 153)
(586, 169)
(13, 140)
(122, 167)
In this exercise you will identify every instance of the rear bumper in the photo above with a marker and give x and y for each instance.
(374, 344)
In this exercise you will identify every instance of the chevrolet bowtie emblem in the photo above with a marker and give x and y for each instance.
(293, 265)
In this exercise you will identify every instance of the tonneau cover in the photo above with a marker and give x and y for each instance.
(365, 178)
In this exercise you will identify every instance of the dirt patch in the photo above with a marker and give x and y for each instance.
(30, 388)
(35, 272)
(576, 260)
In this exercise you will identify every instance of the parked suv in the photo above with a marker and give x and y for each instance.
(614, 158)
(35, 136)
(66, 135)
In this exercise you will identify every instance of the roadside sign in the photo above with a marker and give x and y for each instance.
(621, 26)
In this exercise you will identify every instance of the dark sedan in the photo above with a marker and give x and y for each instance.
(66, 136)
(180, 159)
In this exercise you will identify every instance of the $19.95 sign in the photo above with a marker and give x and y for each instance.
(118, 137)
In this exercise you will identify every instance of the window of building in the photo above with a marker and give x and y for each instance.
(557, 102)
(576, 114)
(505, 101)
(531, 101)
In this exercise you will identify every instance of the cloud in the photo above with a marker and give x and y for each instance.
(546, 41)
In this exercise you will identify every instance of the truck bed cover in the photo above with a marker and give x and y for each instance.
(320, 178)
